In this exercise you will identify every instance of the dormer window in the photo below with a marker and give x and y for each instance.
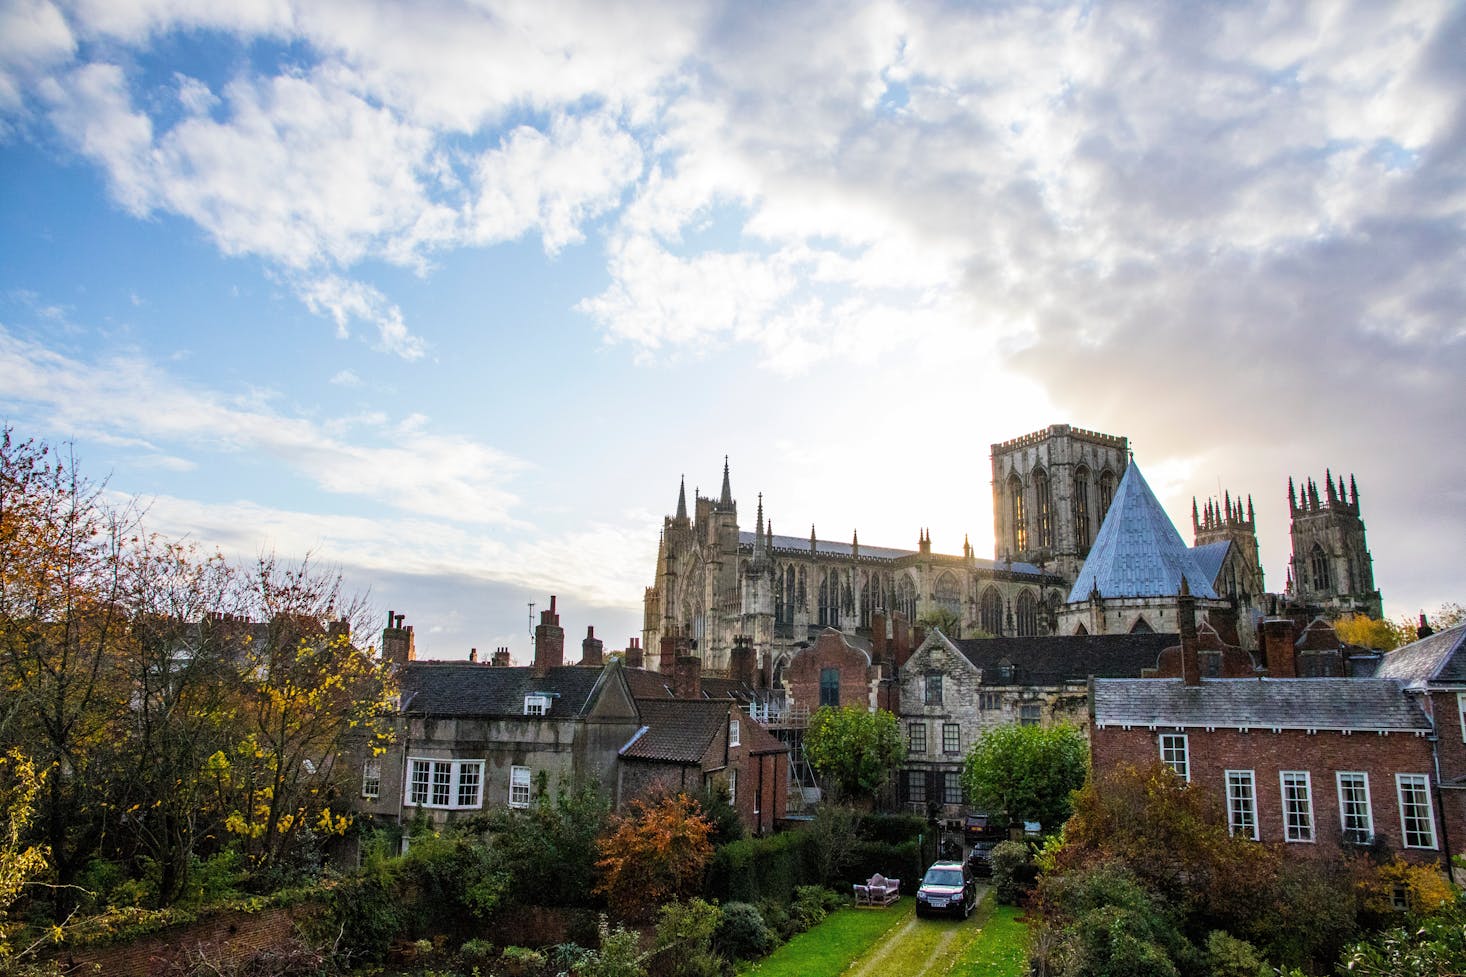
(536, 704)
(733, 739)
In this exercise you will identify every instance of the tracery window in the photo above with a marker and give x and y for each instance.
(1318, 562)
(949, 595)
(1107, 492)
(906, 598)
(990, 611)
(1026, 615)
(1018, 516)
(1081, 509)
(1043, 499)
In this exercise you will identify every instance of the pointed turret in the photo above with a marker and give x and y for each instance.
(758, 529)
(855, 544)
(1292, 503)
(1353, 491)
(812, 547)
(1250, 517)
(1195, 520)
(727, 497)
(682, 498)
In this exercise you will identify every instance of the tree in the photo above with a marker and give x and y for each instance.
(854, 750)
(549, 850)
(655, 853)
(941, 619)
(19, 862)
(1380, 634)
(1026, 773)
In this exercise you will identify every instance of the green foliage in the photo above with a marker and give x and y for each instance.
(477, 954)
(742, 933)
(812, 904)
(832, 836)
(548, 850)
(1102, 921)
(619, 954)
(1027, 773)
(757, 869)
(1303, 917)
(1434, 946)
(727, 825)
(1012, 871)
(521, 961)
(854, 750)
(943, 620)
(684, 940)
(1227, 956)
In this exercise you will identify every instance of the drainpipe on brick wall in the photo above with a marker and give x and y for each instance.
(1440, 801)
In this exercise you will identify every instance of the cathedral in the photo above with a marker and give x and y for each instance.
(1082, 547)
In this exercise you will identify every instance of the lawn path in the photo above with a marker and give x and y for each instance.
(917, 948)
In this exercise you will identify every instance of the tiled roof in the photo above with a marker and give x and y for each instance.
(826, 547)
(646, 684)
(676, 730)
(471, 689)
(1209, 557)
(1054, 659)
(1288, 703)
(1440, 658)
(1138, 552)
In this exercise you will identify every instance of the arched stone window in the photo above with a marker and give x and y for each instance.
(906, 597)
(990, 611)
(1318, 563)
(829, 611)
(1043, 501)
(1349, 569)
(949, 593)
(1025, 615)
(802, 597)
(1106, 492)
(1017, 514)
(1081, 509)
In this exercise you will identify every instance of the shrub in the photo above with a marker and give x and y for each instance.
(685, 940)
(1227, 956)
(1013, 871)
(619, 954)
(741, 933)
(520, 961)
(812, 903)
(477, 954)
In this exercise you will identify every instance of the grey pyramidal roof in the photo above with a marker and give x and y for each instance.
(1138, 552)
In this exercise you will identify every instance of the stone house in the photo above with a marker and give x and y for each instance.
(951, 692)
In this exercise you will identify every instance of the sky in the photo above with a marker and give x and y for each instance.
(451, 295)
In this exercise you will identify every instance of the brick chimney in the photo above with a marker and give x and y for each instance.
(900, 639)
(398, 644)
(674, 646)
(633, 656)
(1277, 647)
(501, 658)
(473, 655)
(1186, 624)
(687, 677)
(549, 642)
(591, 649)
(741, 661)
(878, 637)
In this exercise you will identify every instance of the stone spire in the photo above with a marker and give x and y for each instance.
(727, 497)
(682, 498)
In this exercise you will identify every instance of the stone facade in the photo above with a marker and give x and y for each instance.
(1331, 568)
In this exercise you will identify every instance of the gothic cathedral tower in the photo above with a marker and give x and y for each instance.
(1331, 565)
(1051, 490)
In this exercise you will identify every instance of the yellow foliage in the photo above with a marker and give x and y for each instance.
(1377, 633)
(1425, 886)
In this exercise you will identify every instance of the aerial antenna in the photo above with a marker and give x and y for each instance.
(531, 619)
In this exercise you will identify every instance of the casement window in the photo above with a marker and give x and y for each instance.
(1174, 754)
(951, 738)
(371, 778)
(536, 704)
(952, 787)
(452, 784)
(916, 786)
(732, 785)
(519, 786)
(1356, 816)
(1029, 715)
(933, 689)
(1297, 805)
(733, 733)
(830, 687)
(1461, 712)
(1242, 803)
(916, 738)
(1417, 817)
(989, 701)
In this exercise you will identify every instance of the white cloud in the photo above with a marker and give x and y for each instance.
(346, 378)
(347, 301)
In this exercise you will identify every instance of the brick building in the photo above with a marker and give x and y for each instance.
(1321, 764)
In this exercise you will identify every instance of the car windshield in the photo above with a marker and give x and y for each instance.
(951, 877)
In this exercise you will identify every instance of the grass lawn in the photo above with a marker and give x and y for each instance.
(998, 950)
(830, 947)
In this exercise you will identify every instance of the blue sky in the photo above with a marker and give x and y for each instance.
(452, 294)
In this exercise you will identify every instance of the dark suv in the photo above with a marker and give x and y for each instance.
(947, 887)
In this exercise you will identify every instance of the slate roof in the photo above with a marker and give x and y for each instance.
(676, 730)
(1209, 557)
(646, 684)
(1138, 552)
(1055, 659)
(1437, 660)
(1361, 704)
(471, 689)
(825, 547)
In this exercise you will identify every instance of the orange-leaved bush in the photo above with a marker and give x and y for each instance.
(655, 852)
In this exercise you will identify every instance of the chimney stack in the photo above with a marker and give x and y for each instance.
(473, 655)
(633, 657)
(1277, 647)
(501, 658)
(549, 642)
(900, 639)
(398, 645)
(878, 637)
(591, 649)
(741, 661)
(1186, 624)
(687, 677)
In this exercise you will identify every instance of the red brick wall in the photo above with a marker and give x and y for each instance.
(802, 677)
(1267, 753)
(229, 937)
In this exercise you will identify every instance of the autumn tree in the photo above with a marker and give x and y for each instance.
(655, 852)
(854, 750)
(19, 862)
(1026, 773)
(1380, 634)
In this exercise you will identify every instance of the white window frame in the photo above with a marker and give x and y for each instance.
(437, 783)
(371, 778)
(1167, 744)
(1461, 713)
(1242, 804)
(734, 733)
(520, 789)
(1363, 831)
(1299, 830)
(732, 785)
(1416, 782)
(536, 704)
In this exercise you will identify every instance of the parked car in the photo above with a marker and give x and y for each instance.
(980, 858)
(947, 888)
(979, 826)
